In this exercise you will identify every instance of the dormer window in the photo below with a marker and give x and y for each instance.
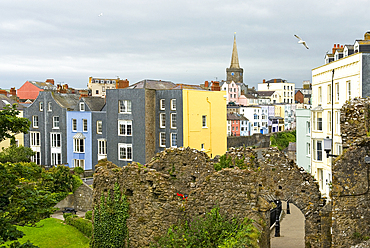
(357, 48)
(82, 106)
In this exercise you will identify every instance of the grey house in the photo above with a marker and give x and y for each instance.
(143, 120)
(48, 134)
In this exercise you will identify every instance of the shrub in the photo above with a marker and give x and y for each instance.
(84, 226)
(78, 170)
(66, 215)
(212, 230)
(88, 215)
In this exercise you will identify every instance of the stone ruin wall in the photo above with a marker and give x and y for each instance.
(154, 204)
(350, 192)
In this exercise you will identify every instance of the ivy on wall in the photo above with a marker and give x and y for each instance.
(110, 228)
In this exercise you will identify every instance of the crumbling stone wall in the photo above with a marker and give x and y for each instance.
(81, 199)
(350, 192)
(256, 140)
(154, 204)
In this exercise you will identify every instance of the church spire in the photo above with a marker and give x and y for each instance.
(234, 56)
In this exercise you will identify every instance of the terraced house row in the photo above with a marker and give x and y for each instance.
(130, 124)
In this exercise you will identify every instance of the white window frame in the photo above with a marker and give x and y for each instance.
(319, 120)
(173, 139)
(204, 121)
(349, 90)
(55, 140)
(162, 104)
(35, 121)
(74, 125)
(173, 121)
(173, 104)
(124, 127)
(56, 158)
(337, 91)
(319, 95)
(125, 152)
(308, 149)
(41, 106)
(124, 106)
(49, 107)
(36, 158)
(162, 139)
(329, 93)
(84, 125)
(337, 117)
(202, 147)
(317, 154)
(79, 145)
(102, 147)
(79, 163)
(82, 106)
(35, 139)
(99, 127)
(56, 122)
(162, 120)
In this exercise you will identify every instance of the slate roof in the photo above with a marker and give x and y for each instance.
(234, 117)
(265, 93)
(94, 103)
(4, 100)
(44, 85)
(153, 84)
(278, 80)
(68, 101)
(275, 117)
(188, 87)
(249, 96)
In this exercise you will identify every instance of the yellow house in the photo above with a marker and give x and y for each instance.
(204, 117)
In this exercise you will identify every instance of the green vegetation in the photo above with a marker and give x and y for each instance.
(281, 140)
(212, 230)
(88, 215)
(11, 124)
(110, 229)
(83, 225)
(15, 154)
(226, 161)
(28, 194)
(52, 233)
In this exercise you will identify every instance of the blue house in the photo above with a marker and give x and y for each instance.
(86, 132)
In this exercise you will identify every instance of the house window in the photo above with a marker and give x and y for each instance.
(97, 92)
(124, 151)
(173, 104)
(162, 139)
(162, 120)
(204, 121)
(124, 128)
(320, 96)
(102, 147)
(337, 117)
(55, 140)
(338, 148)
(74, 125)
(329, 121)
(41, 106)
(349, 90)
(319, 121)
(124, 106)
(173, 139)
(35, 138)
(82, 106)
(79, 145)
(56, 122)
(329, 93)
(308, 149)
(35, 121)
(337, 91)
(56, 158)
(99, 127)
(202, 147)
(36, 158)
(308, 127)
(84, 121)
(49, 106)
(173, 121)
(161, 104)
(103, 89)
(317, 150)
(79, 163)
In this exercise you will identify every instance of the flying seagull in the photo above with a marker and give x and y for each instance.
(301, 41)
(100, 14)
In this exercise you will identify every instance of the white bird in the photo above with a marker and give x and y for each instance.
(100, 14)
(301, 41)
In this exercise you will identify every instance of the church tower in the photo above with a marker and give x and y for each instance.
(234, 73)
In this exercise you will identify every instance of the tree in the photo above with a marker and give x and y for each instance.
(15, 154)
(11, 124)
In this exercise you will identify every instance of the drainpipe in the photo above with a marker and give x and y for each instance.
(210, 123)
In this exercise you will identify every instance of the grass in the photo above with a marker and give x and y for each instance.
(53, 233)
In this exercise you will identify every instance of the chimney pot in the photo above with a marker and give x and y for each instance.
(206, 84)
(275, 80)
(264, 81)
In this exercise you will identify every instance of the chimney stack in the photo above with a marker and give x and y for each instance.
(121, 84)
(50, 81)
(275, 80)
(264, 81)
(215, 86)
(206, 84)
(13, 91)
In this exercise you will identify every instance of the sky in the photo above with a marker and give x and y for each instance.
(184, 41)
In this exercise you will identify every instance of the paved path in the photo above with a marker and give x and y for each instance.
(291, 230)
